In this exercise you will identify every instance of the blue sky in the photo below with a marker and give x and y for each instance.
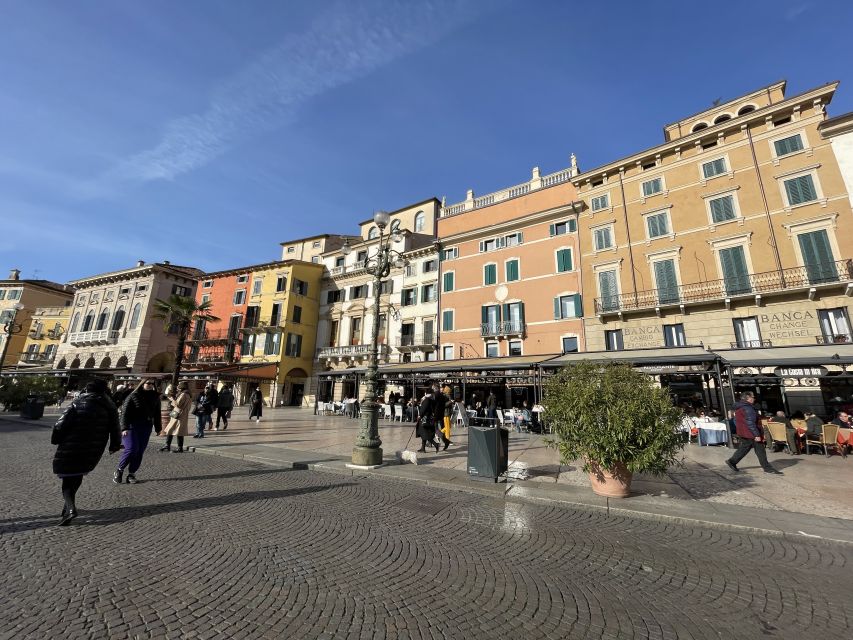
(205, 132)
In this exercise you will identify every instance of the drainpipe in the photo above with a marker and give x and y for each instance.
(766, 209)
(628, 234)
(581, 338)
(438, 287)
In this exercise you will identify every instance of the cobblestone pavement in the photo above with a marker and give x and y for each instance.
(210, 547)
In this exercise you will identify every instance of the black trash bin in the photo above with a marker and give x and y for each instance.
(488, 452)
(33, 408)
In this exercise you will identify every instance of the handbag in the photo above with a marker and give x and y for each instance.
(175, 413)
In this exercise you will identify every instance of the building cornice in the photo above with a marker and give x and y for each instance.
(836, 126)
(572, 208)
(406, 208)
(44, 285)
(142, 271)
(254, 268)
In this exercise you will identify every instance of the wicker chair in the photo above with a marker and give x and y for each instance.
(776, 431)
(826, 440)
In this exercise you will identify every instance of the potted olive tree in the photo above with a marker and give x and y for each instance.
(616, 420)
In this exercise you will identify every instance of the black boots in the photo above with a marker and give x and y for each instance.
(165, 447)
(67, 516)
(131, 479)
(117, 476)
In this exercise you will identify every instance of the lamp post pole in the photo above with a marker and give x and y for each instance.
(367, 451)
(9, 329)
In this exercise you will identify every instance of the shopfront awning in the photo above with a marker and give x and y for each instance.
(803, 356)
(470, 364)
(660, 358)
(342, 373)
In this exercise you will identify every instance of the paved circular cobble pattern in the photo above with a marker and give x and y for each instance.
(208, 547)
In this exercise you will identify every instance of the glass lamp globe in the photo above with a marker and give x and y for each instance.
(381, 218)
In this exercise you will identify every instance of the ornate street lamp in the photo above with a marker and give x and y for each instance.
(9, 329)
(367, 451)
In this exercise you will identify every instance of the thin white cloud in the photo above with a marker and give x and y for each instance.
(796, 10)
(343, 44)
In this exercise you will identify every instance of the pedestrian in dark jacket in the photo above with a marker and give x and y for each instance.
(426, 422)
(139, 414)
(203, 411)
(224, 404)
(492, 406)
(442, 412)
(82, 433)
(749, 431)
(257, 402)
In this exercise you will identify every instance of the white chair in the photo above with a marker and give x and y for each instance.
(386, 411)
(508, 417)
(398, 412)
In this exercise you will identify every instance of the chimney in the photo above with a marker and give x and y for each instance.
(15, 274)
(140, 263)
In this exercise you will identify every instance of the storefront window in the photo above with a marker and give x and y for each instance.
(834, 325)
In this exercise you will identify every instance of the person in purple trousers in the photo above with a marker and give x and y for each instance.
(139, 414)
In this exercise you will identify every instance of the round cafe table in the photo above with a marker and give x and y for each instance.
(845, 436)
(713, 433)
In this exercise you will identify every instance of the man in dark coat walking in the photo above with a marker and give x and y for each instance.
(492, 406)
(749, 432)
(82, 433)
(426, 422)
(224, 405)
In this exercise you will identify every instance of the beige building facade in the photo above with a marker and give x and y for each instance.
(47, 329)
(734, 234)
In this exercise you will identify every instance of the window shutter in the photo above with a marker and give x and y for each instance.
(504, 312)
(521, 311)
(817, 256)
(484, 314)
(572, 225)
(552, 230)
(578, 305)
(557, 308)
(520, 237)
(481, 246)
(666, 281)
(735, 273)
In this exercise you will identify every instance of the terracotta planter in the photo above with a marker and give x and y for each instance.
(612, 483)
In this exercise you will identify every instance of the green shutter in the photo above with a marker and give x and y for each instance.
(557, 308)
(573, 225)
(609, 295)
(578, 305)
(667, 284)
(800, 190)
(722, 209)
(564, 260)
(484, 314)
(817, 256)
(512, 270)
(490, 274)
(735, 272)
(447, 320)
(552, 231)
(448, 281)
(788, 145)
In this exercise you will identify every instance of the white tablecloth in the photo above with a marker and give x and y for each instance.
(712, 432)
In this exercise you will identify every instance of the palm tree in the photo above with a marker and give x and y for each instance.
(181, 312)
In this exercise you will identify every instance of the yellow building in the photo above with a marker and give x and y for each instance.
(47, 329)
(281, 325)
(19, 300)
(736, 233)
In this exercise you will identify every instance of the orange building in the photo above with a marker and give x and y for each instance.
(510, 272)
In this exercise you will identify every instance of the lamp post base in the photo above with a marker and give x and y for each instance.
(367, 456)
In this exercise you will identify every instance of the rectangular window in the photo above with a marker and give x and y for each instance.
(207, 284)
(835, 325)
(747, 332)
(339, 261)
(275, 316)
(240, 296)
(450, 254)
(300, 287)
(722, 209)
(613, 340)
(429, 332)
(490, 274)
(570, 344)
(651, 187)
(142, 287)
(562, 228)
(511, 270)
(448, 281)
(253, 315)
(735, 271)
(333, 296)
(242, 279)
(514, 348)
(205, 298)
(800, 190)
(788, 145)
(657, 224)
(358, 292)
(817, 257)
(315, 244)
(178, 290)
(608, 290)
(257, 283)
(673, 335)
(428, 293)
(603, 238)
(666, 281)
(447, 320)
(50, 351)
(568, 306)
(599, 203)
(361, 256)
(315, 259)
(355, 331)
(291, 249)
(430, 265)
(714, 168)
(490, 316)
(447, 352)
(247, 348)
(333, 333)
(488, 245)
(409, 297)
(386, 286)
(513, 239)
(293, 347)
(2, 294)
(280, 284)
(272, 344)
(411, 270)
(492, 350)
(564, 260)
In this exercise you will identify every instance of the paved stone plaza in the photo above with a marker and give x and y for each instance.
(210, 547)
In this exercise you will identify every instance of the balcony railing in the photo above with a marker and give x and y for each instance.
(421, 341)
(507, 328)
(104, 336)
(221, 335)
(37, 358)
(349, 350)
(751, 344)
(812, 275)
(835, 338)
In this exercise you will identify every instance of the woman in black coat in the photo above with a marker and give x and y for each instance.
(257, 402)
(82, 433)
(139, 413)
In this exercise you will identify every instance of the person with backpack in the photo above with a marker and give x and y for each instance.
(139, 414)
(81, 434)
(203, 411)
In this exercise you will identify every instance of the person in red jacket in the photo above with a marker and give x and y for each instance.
(749, 432)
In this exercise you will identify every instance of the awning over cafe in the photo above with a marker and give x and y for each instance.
(803, 356)
(469, 364)
(659, 358)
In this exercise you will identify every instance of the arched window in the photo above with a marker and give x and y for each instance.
(419, 221)
(118, 319)
(745, 109)
(75, 322)
(373, 233)
(134, 316)
(103, 318)
(62, 364)
(722, 118)
(88, 321)
(699, 126)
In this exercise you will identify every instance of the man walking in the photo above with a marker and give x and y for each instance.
(749, 432)
(224, 405)
(492, 406)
